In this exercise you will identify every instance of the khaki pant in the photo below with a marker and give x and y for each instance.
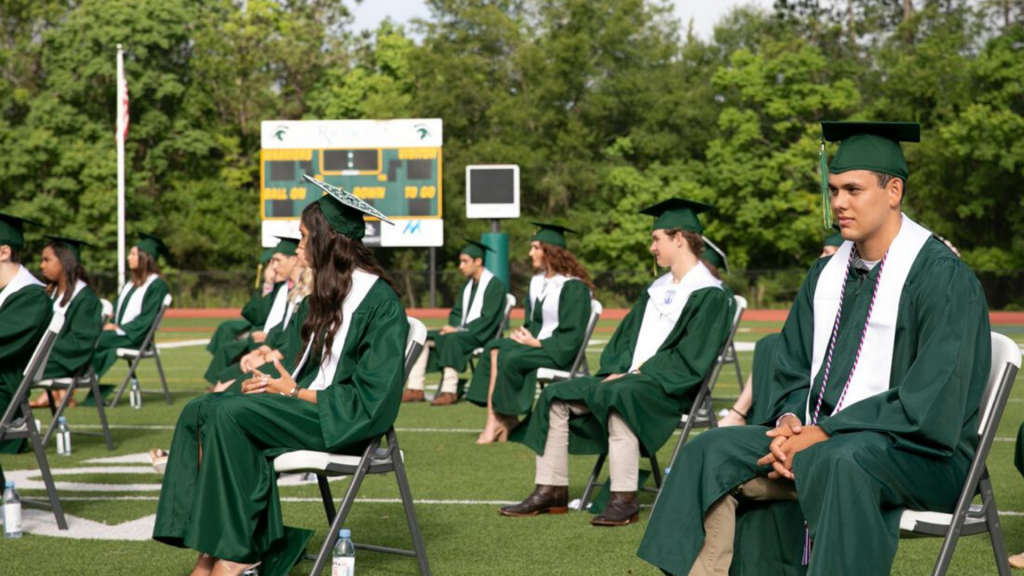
(623, 449)
(720, 523)
(418, 375)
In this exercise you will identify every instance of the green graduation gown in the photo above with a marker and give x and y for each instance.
(907, 447)
(228, 504)
(82, 326)
(254, 314)
(230, 352)
(286, 339)
(650, 402)
(24, 316)
(453, 350)
(130, 334)
(515, 387)
(761, 379)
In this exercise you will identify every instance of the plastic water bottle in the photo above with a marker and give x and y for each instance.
(344, 563)
(135, 395)
(12, 511)
(63, 437)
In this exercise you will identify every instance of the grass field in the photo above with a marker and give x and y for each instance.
(458, 487)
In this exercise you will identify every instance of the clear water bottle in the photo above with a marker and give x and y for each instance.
(12, 511)
(135, 394)
(63, 437)
(344, 562)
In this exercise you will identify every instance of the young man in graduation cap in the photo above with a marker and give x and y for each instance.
(478, 311)
(24, 314)
(877, 380)
(650, 372)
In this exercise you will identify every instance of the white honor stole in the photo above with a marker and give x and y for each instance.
(362, 281)
(79, 285)
(477, 305)
(22, 279)
(292, 306)
(134, 306)
(278, 309)
(544, 292)
(664, 307)
(873, 371)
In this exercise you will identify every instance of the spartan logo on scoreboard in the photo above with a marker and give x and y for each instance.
(394, 165)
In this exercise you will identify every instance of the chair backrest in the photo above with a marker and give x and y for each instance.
(34, 370)
(1006, 358)
(581, 357)
(108, 310)
(414, 344)
(149, 342)
(510, 303)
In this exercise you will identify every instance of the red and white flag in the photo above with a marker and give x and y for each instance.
(122, 99)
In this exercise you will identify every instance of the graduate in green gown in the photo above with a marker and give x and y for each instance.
(478, 312)
(557, 311)
(137, 305)
(877, 378)
(650, 373)
(286, 267)
(219, 495)
(24, 315)
(255, 311)
(68, 288)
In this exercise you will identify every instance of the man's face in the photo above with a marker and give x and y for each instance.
(283, 265)
(860, 205)
(665, 247)
(469, 265)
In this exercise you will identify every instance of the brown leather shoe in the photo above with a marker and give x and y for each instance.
(545, 499)
(413, 396)
(445, 399)
(622, 509)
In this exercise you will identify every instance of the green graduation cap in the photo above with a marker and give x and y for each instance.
(73, 244)
(475, 249)
(871, 146)
(266, 255)
(715, 255)
(151, 245)
(835, 238)
(344, 211)
(287, 246)
(551, 234)
(12, 230)
(677, 213)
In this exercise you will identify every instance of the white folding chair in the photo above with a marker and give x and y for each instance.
(375, 460)
(510, 303)
(85, 376)
(968, 519)
(25, 426)
(579, 367)
(148, 349)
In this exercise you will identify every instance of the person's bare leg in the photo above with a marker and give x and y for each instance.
(493, 423)
(228, 568)
(204, 565)
(740, 410)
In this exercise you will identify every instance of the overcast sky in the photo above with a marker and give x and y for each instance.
(703, 12)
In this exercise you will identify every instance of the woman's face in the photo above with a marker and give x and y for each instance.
(133, 258)
(536, 254)
(301, 252)
(50, 265)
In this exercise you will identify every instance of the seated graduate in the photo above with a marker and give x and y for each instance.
(478, 311)
(68, 287)
(255, 311)
(876, 384)
(220, 497)
(137, 305)
(286, 268)
(650, 372)
(24, 315)
(557, 311)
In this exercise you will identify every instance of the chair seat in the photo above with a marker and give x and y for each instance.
(54, 383)
(132, 353)
(552, 375)
(477, 352)
(937, 523)
(325, 463)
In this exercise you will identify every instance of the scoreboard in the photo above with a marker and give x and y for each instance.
(394, 165)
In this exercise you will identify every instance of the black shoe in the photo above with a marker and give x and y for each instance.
(622, 509)
(545, 499)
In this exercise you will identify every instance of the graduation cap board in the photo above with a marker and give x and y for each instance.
(553, 234)
(475, 249)
(72, 244)
(151, 245)
(344, 211)
(871, 146)
(677, 213)
(12, 230)
(287, 246)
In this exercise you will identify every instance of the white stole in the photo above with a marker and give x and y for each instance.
(22, 279)
(79, 286)
(477, 306)
(873, 371)
(278, 309)
(362, 281)
(544, 292)
(664, 307)
(292, 306)
(134, 306)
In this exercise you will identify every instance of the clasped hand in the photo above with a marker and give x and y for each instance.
(261, 383)
(789, 438)
(522, 336)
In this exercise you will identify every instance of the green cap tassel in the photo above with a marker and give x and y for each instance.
(826, 200)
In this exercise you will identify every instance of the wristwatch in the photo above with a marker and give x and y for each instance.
(295, 392)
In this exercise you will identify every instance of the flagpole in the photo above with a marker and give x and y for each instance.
(120, 169)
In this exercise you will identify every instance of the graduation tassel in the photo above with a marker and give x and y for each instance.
(259, 275)
(806, 558)
(826, 201)
(654, 267)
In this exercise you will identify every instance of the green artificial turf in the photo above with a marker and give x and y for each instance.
(457, 484)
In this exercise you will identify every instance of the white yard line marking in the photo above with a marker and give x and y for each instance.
(183, 344)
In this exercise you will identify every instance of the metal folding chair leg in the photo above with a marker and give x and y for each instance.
(127, 378)
(44, 469)
(995, 529)
(339, 519)
(163, 381)
(419, 547)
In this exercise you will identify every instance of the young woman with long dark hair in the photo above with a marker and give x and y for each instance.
(557, 312)
(219, 493)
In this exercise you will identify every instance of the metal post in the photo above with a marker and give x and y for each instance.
(433, 277)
